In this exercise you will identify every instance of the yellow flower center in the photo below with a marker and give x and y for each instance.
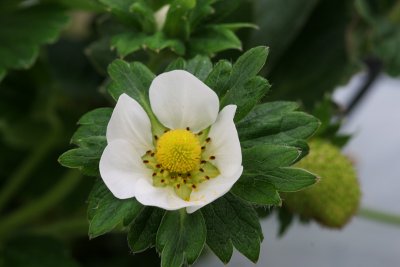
(179, 151)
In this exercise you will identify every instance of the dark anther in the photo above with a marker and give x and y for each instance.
(156, 137)
(194, 186)
(145, 161)
(212, 157)
(189, 175)
(203, 161)
(207, 177)
(162, 171)
(201, 169)
(203, 147)
(178, 186)
(148, 151)
(154, 174)
(162, 180)
(199, 133)
(184, 181)
(158, 165)
(187, 128)
(179, 175)
(152, 154)
(208, 139)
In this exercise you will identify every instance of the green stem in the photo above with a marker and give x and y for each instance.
(42, 205)
(23, 171)
(379, 216)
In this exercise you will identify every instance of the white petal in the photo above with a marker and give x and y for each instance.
(121, 167)
(130, 122)
(162, 197)
(212, 189)
(181, 100)
(160, 16)
(225, 145)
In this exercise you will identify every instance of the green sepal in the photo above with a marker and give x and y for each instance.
(232, 222)
(180, 238)
(143, 230)
(106, 212)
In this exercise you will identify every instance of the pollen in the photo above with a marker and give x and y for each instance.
(178, 151)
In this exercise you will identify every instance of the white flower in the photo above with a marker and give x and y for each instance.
(196, 160)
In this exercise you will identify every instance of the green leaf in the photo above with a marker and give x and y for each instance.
(243, 88)
(213, 40)
(219, 77)
(92, 124)
(36, 251)
(199, 66)
(143, 230)
(181, 238)
(121, 10)
(91, 139)
(105, 212)
(127, 43)
(85, 158)
(232, 222)
(19, 44)
(276, 123)
(144, 14)
(257, 191)
(177, 64)
(290, 179)
(259, 159)
(133, 79)
(176, 24)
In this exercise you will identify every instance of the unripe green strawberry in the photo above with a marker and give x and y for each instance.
(335, 198)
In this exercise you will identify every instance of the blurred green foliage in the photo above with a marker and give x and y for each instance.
(314, 45)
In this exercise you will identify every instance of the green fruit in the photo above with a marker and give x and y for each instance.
(335, 198)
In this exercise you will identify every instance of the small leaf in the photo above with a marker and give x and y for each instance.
(143, 230)
(144, 14)
(232, 222)
(177, 64)
(259, 159)
(290, 179)
(85, 158)
(181, 238)
(213, 40)
(176, 24)
(133, 79)
(199, 66)
(257, 191)
(219, 77)
(105, 212)
(243, 88)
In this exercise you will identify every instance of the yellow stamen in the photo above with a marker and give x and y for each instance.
(179, 151)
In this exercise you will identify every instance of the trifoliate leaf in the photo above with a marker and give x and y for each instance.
(19, 44)
(181, 238)
(232, 222)
(143, 230)
(105, 212)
